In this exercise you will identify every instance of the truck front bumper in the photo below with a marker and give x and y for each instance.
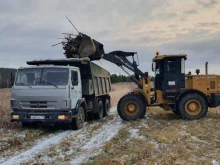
(42, 117)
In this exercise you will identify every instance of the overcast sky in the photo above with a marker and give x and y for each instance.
(192, 27)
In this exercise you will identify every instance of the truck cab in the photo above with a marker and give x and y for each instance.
(55, 94)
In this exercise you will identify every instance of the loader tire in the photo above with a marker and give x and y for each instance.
(78, 121)
(192, 106)
(131, 107)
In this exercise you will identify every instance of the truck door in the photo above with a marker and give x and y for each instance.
(75, 87)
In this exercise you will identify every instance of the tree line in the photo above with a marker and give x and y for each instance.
(122, 78)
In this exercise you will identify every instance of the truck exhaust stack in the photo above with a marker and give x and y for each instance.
(206, 68)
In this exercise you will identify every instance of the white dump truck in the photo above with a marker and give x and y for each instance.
(60, 91)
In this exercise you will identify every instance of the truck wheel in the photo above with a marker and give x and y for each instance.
(100, 112)
(192, 106)
(131, 107)
(78, 121)
(107, 107)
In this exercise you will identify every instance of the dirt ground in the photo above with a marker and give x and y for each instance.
(119, 90)
(160, 138)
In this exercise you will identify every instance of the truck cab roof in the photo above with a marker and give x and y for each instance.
(48, 66)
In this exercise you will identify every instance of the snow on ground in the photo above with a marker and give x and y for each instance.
(89, 147)
(134, 133)
(93, 147)
(41, 145)
(214, 162)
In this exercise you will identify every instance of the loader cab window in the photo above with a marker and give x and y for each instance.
(171, 66)
(74, 78)
(157, 68)
(183, 66)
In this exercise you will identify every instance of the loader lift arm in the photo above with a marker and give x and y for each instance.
(120, 59)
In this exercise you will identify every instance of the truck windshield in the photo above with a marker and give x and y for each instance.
(42, 76)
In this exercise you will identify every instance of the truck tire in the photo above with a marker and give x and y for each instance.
(192, 106)
(100, 112)
(131, 107)
(106, 107)
(78, 121)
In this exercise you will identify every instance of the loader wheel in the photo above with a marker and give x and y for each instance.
(100, 112)
(131, 107)
(107, 107)
(78, 122)
(193, 106)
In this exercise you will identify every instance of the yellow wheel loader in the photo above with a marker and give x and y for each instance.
(185, 94)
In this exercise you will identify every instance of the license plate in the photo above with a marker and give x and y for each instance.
(37, 117)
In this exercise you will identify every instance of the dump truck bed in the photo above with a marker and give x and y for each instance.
(95, 79)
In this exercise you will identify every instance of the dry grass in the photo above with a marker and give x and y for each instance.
(5, 109)
(167, 139)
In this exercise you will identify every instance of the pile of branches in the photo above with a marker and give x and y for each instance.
(71, 45)
(81, 45)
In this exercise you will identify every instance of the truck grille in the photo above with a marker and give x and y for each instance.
(38, 104)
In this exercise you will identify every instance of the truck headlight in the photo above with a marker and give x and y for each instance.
(15, 117)
(63, 117)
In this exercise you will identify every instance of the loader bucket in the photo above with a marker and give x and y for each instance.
(86, 47)
(83, 46)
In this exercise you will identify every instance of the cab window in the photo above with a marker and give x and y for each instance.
(157, 68)
(74, 78)
(171, 66)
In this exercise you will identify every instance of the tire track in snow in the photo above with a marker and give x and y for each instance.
(46, 143)
(40, 146)
(93, 147)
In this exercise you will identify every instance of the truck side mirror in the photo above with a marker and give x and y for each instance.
(12, 79)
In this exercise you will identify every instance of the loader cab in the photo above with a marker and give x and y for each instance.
(169, 73)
